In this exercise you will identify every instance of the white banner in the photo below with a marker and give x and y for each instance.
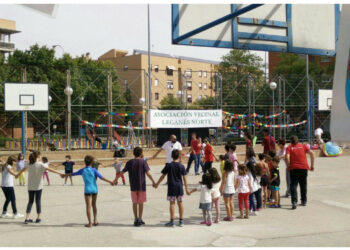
(185, 118)
(340, 110)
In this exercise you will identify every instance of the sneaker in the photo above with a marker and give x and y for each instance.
(216, 221)
(6, 215)
(203, 222)
(209, 223)
(137, 223)
(303, 204)
(170, 224)
(142, 223)
(197, 173)
(16, 216)
(37, 220)
(294, 206)
(28, 221)
(181, 223)
(253, 213)
(230, 218)
(227, 218)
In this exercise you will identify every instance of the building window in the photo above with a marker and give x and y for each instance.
(200, 85)
(204, 86)
(156, 96)
(156, 82)
(188, 73)
(200, 73)
(126, 82)
(170, 95)
(189, 98)
(156, 68)
(189, 85)
(126, 67)
(205, 73)
(170, 70)
(170, 84)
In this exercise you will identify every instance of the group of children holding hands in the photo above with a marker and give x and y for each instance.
(250, 180)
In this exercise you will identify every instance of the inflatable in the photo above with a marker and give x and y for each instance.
(331, 149)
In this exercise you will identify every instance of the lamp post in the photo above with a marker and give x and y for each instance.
(81, 98)
(68, 91)
(142, 101)
(48, 118)
(54, 129)
(273, 87)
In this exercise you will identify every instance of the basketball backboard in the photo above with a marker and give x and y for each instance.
(295, 28)
(325, 99)
(26, 96)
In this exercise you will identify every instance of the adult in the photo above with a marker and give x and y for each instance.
(195, 154)
(248, 143)
(269, 142)
(281, 154)
(169, 146)
(208, 155)
(318, 135)
(298, 167)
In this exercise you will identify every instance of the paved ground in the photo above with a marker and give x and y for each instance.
(324, 222)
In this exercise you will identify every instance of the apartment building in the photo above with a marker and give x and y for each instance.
(7, 28)
(188, 79)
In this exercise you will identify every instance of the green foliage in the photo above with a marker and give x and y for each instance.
(234, 68)
(170, 102)
(204, 103)
(88, 79)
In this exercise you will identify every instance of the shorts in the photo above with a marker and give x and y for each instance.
(264, 181)
(275, 188)
(138, 196)
(88, 194)
(228, 195)
(205, 206)
(178, 198)
(68, 171)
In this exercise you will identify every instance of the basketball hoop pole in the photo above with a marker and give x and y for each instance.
(23, 134)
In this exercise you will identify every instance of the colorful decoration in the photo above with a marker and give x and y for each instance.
(331, 149)
(120, 114)
(97, 125)
(259, 124)
(241, 116)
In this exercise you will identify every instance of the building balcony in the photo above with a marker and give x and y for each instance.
(7, 47)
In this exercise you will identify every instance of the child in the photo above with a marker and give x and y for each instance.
(202, 146)
(216, 180)
(222, 164)
(227, 189)
(20, 166)
(208, 155)
(89, 175)
(96, 164)
(282, 155)
(175, 172)
(7, 187)
(46, 173)
(205, 186)
(265, 176)
(244, 188)
(68, 169)
(256, 190)
(137, 169)
(118, 168)
(250, 155)
(36, 170)
(275, 183)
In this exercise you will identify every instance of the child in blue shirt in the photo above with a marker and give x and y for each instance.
(89, 175)
(68, 169)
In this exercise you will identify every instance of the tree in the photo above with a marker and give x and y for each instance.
(205, 103)
(88, 79)
(170, 102)
(235, 68)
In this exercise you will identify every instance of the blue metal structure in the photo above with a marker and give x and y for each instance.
(185, 39)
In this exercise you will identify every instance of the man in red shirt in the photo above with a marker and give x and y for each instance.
(269, 142)
(298, 167)
(195, 154)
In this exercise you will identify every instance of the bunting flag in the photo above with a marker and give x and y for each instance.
(120, 114)
(97, 125)
(259, 124)
(241, 116)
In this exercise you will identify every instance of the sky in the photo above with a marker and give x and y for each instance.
(96, 29)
